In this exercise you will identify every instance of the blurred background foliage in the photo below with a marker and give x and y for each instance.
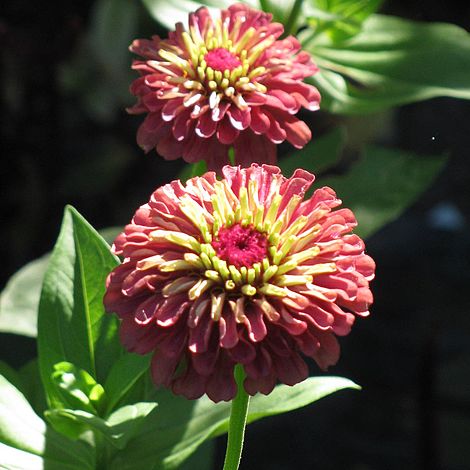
(66, 139)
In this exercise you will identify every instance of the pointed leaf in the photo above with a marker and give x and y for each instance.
(126, 371)
(72, 324)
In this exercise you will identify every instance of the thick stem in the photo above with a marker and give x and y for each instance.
(236, 430)
(292, 20)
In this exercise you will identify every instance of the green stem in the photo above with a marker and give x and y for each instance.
(292, 20)
(236, 430)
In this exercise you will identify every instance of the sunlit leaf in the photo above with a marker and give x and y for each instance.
(182, 425)
(72, 324)
(391, 61)
(26, 443)
(118, 428)
(339, 19)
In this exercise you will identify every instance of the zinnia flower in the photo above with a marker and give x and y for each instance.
(225, 82)
(239, 270)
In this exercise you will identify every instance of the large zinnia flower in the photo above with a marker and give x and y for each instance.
(225, 82)
(241, 270)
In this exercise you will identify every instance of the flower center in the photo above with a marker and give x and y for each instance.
(221, 59)
(241, 246)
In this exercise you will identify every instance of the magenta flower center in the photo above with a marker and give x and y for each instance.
(221, 59)
(241, 246)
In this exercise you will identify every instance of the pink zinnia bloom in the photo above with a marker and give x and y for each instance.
(227, 81)
(241, 270)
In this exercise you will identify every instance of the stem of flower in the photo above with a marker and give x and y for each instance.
(236, 430)
(291, 21)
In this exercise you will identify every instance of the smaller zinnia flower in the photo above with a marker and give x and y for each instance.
(241, 270)
(226, 81)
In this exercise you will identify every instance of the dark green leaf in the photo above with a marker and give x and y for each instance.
(318, 155)
(392, 61)
(32, 388)
(72, 324)
(121, 425)
(182, 425)
(126, 371)
(27, 444)
(383, 184)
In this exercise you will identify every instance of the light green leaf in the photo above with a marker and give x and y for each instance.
(318, 155)
(121, 425)
(126, 371)
(26, 443)
(339, 19)
(72, 324)
(392, 61)
(182, 425)
(76, 388)
(19, 299)
(383, 184)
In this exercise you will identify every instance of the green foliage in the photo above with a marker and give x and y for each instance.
(339, 19)
(182, 425)
(318, 155)
(391, 61)
(76, 388)
(72, 325)
(117, 429)
(382, 184)
(26, 443)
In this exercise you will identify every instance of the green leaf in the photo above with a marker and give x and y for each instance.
(182, 425)
(121, 425)
(383, 184)
(20, 298)
(126, 371)
(72, 324)
(392, 61)
(77, 388)
(339, 19)
(318, 155)
(32, 386)
(26, 443)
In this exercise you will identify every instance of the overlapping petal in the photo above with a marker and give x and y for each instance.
(243, 270)
(225, 81)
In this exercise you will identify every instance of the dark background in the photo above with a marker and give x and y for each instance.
(66, 139)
